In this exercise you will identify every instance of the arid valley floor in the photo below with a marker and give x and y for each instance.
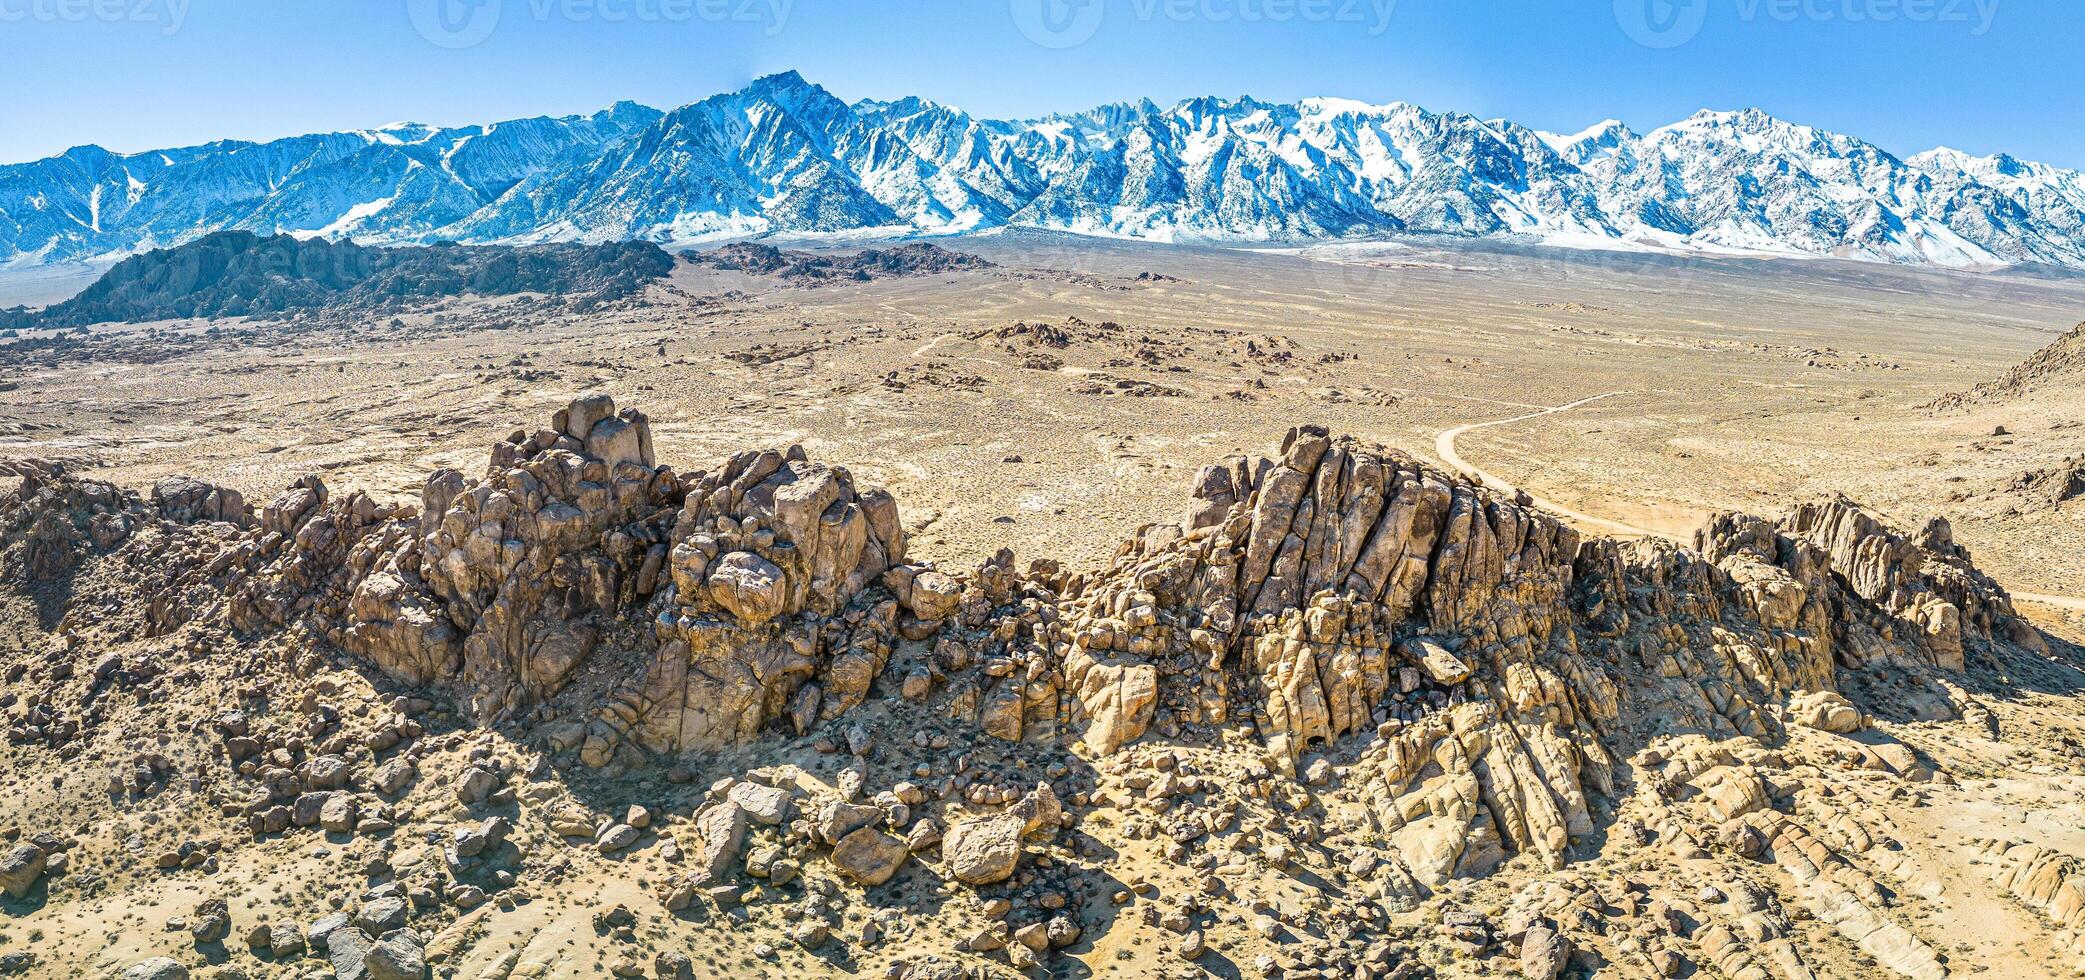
(1930, 823)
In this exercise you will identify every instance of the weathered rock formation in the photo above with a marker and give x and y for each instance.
(916, 259)
(1492, 670)
(750, 592)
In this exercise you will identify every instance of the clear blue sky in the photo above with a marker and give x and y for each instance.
(1980, 75)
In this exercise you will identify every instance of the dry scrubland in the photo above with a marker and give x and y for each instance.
(1492, 760)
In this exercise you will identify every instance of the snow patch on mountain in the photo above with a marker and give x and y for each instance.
(785, 157)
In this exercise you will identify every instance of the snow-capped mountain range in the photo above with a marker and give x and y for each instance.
(783, 155)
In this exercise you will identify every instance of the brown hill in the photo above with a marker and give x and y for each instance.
(2059, 365)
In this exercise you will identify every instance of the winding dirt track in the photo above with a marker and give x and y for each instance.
(1444, 447)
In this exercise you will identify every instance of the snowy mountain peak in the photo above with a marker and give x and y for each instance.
(87, 152)
(1941, 157)
(1712, 123)
(783, 154)
(1353, 107)
(910, 105)
(1592, 143)
(780, 85)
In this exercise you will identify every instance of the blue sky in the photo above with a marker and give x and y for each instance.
(1980, 75)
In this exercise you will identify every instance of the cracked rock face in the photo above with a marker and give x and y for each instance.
(1332, 589)
(1462, 681)
(750, 589)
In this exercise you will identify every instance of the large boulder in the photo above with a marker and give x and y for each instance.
(870, 856)
(156, 968)
(720, 832)
(1543, 953)
(983, 850)
(1732, 791)
(749, 586)
(402, 955)
(211, 921)
(1117, 699)
(347, 949)
(1442, 666)
(986, 850)
(579, 418)
(186, 500)
(926, 593)
(1826, 711)
(20, 868)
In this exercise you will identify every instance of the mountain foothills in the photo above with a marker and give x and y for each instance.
(238, 273)
(2056, 371)
(784, 155)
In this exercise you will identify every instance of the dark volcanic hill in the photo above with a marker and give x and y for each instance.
(238, 273)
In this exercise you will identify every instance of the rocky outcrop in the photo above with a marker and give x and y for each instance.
(1842, 895)
(533, 564)
(2046, 880)
(752, 591)
(2055, 368)
(1481, 669)
(772, 605)
(1868, 591)
(56, 520)
(346, 568)
(186, 500)
(1923, 581)
(815, 268)
(1301, 581)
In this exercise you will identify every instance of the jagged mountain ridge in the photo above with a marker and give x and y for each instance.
(784, 155)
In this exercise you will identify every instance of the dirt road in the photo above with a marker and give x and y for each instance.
(1444, 447)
